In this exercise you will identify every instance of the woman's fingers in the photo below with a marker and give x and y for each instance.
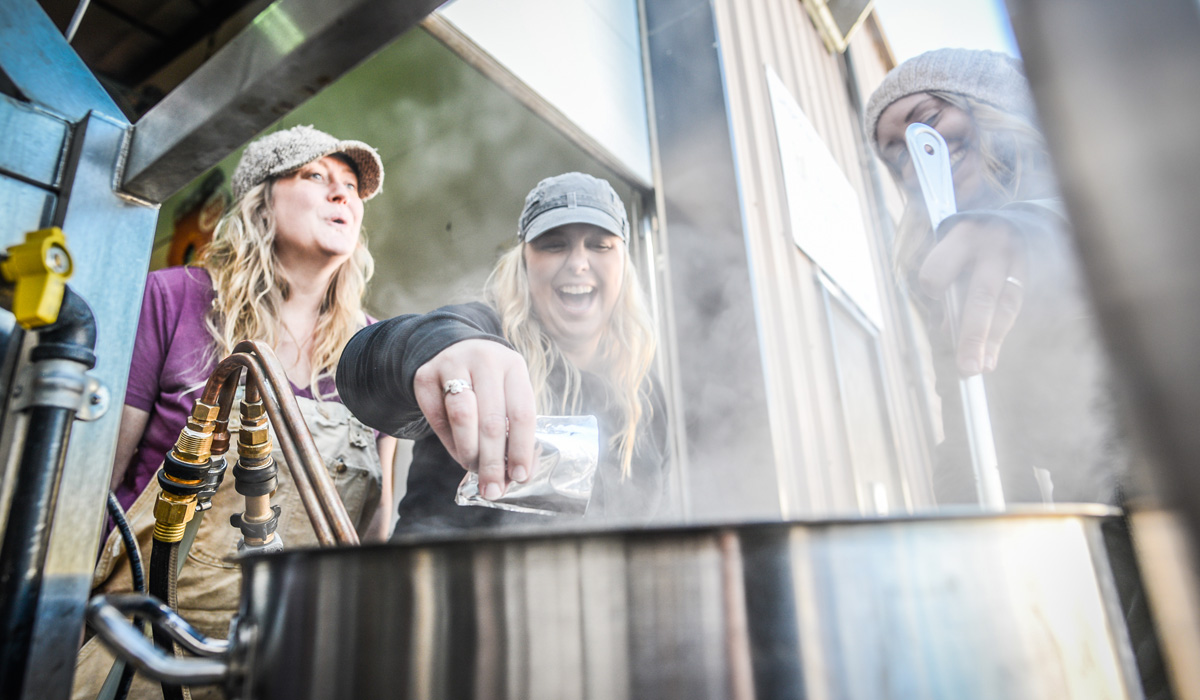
(521, 410)
(1007, 309)
(978, 313)
(427, 386)
(491, 432)
(990, 251)
(487, 428)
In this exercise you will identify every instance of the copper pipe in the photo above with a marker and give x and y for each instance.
(294, 420)
(220, 443)
(215, 389)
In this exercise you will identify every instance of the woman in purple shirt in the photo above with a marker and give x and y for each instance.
(288, 266)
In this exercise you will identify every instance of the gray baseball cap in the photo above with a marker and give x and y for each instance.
(283, 151)
(572, 198)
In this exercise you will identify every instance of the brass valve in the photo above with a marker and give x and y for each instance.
(254, 437)
(183, 474)
(194, 445)
(172, 513)
(38, 270)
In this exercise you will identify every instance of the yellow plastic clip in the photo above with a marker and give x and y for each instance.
(38, 269)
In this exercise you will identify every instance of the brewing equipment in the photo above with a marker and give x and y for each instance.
(1023, 605)
(1016, 605)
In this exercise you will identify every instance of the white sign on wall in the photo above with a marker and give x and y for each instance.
(824, 211)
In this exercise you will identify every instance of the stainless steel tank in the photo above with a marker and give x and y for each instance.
(974, 606)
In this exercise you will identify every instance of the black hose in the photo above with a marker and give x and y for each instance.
(117, 513)
(26, 538)
(164, 560)
(72, 337)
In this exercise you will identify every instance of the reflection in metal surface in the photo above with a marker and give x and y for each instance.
(973, 607)
(1117, 86)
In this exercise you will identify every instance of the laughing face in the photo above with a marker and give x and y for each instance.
(956, 127)
(318, 212)
(575, 276)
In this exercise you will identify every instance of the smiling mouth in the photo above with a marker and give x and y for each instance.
(576, 297)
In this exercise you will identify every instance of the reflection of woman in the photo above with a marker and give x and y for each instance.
(564, 331)
(1024, 317)
(288, 265)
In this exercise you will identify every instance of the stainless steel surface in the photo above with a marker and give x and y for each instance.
(33, 142)
(25, 207)
(158, 614)
(1117, 85)
(60, 383)
(1005, 606)
(105, 232)
(105, 617)
(289, 53)
(41, 65)
(931, 161)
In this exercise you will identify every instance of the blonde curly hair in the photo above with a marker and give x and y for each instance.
(626, 349)
(250, 286)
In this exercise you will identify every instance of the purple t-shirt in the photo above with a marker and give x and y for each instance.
(171, 362)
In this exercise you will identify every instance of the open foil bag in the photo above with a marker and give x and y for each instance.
(564, 471)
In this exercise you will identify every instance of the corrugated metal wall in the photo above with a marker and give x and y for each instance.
(811, 442)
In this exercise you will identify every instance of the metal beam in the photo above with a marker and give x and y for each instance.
(38, 62)
(721, 373)
(105, 233)
(289, 53)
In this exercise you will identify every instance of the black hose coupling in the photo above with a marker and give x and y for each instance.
(257, 531)
(184, 473)
(213, 477)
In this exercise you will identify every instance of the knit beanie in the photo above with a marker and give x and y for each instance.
(987, 76)
(283, 151)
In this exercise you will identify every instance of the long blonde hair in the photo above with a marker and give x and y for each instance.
(626, 349)
(1015, 165)
(250, 287)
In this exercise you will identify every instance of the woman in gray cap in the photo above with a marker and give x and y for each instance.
(1025, 318)
(288, 265)
(564, 331)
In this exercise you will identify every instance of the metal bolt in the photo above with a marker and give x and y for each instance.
(96, 399)
(57, 260)
(18, 390)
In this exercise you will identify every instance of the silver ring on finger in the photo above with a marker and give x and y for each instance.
(1013, 281)
(456, 386)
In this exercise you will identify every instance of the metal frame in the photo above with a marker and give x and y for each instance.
(112, 178)
(831, 294)
(712, 298)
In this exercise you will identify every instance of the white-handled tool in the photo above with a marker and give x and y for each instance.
(931, 161)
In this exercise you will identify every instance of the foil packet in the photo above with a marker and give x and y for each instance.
(564, 471)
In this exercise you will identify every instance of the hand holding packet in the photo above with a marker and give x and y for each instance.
(564, 471)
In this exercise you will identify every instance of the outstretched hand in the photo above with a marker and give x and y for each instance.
(990, 252)
(486, 418)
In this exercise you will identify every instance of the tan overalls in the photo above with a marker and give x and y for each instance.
(210, 582)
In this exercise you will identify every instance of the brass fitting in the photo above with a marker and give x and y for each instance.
(254, 437)
(194, 445)
(171, 516)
